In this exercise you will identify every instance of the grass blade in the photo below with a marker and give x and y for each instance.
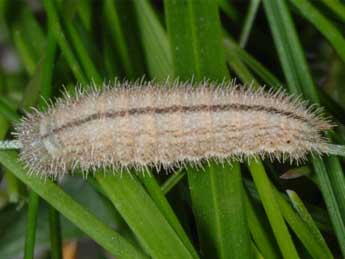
(188, 27)
(308, 220)
(117, 34)
(55, 27)
(311, 242)
(271, 207)
(143, 217)
(162, 203)
(195, 37)
(299, 81)
(30, 235)
(262, 239)
(248, 23)
(172, 181)
(73, 211)
(55, 233)
(155, 41)
(40, 84)
(337, 7)
(322, 24)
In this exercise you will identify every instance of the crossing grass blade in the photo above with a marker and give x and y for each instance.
(337, 7)
(315, 247)
(55, 27)
(116, 31)
(249, 22)
(271, 206)
(217, 193)
(142, 215)
(308, 220)
(29, 250)
(162, 203)
(314, 16)
(72, 210)
(155, 41)
(263, 240)
(299, 81)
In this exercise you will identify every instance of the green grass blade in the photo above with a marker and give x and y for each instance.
(24, 52)
(238, 65)
(40, 87)
(217, 196)
(7, 111)
(260, 236)
(72, 210)
(320, 22)
(228, 8)
(299, 81)
(142, 215)
(172, 181)
(268, 78)
(30, 235)
(337, 7)
(55, 234)
(331, 201)
(311, 242)
(308, 220)
(286, 42)
(82, 53)
(155, 41)
(251, 62)
(162, 203)
(271, 207)
(195, 37)
(55, 27)
(117, 34)
(27, 34)
(249, 21)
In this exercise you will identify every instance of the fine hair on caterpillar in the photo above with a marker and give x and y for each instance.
(143, 124)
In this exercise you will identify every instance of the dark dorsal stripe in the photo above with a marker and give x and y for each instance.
(174, 109)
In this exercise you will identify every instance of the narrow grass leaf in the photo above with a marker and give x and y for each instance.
(262, 239)
(329, 30)
(271, 207)
(8, 112)
(83, 54)
(162, 203)
(195, 37)
(311, 243)
(31, 223)
(117, 34)
(337, 7)
(27, 34)
(55, 234)
(299, 81)
(172, 181)
(55, 27)
(142, 215)
(72, 210)
(251, 62)
(238, 65)
(308, 220)
(249, 22)
(40, 84)
(155, 41)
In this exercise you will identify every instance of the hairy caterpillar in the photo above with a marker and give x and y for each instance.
(135, 124)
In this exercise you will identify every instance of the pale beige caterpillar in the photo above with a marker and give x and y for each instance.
(131, 124)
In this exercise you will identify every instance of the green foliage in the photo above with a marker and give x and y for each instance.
(230, 211)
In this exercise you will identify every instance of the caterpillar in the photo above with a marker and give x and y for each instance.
(148, 124)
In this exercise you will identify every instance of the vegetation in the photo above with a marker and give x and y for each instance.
(255, 209)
